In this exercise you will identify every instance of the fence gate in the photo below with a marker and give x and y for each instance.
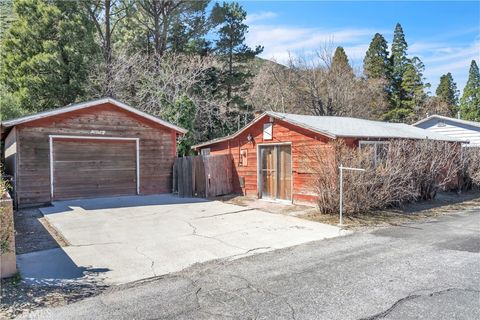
(203, 176)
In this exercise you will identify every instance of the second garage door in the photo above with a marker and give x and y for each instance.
(85, 168)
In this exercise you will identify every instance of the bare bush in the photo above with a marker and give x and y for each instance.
(407, 171)
(470, 175)
(6, 221)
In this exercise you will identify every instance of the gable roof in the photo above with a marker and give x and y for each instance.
(92, 103)
(345, 127)
(436, 116)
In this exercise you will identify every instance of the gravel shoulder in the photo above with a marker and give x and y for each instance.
(34, 233)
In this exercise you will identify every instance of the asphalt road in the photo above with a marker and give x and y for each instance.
(427, 270)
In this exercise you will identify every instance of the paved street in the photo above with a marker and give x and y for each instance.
(427, 270)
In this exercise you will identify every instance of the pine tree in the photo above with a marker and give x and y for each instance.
(340, 64)
(235, 54)
(399, 52)
(45, 54)
(470, 101)
(412, 87)
(399, 61)
(447, 92)
(376, 64)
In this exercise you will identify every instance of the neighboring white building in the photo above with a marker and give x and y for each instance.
(455, 128)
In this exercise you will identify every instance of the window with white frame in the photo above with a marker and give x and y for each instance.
(267, 131)
(205, 151)
(379, 150)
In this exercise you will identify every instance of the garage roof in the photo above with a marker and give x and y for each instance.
(83, 105)
(346, 127)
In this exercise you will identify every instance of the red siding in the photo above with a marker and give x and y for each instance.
(157, 148)
(301, 141)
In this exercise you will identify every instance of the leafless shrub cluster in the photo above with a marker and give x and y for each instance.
(470, 175)
(166, 86)
(407, 171)
(312, 86)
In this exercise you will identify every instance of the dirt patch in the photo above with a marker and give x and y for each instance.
(444, 203)
(18, 297)
(282, 207)
(34, 233)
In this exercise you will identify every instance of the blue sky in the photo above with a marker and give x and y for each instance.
(445, 35)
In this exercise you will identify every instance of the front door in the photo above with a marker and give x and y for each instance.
(275, 172)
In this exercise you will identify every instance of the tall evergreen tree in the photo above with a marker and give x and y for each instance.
(159, 26)
(412, 88)
(45, 54)
(470, 101)
(447, 92)
(399, 58)
(340, 64)
(235, 55)
(413, 85)
(399, 61)
(376, 64)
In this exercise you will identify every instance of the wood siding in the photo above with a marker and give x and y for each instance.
(302, 143)
(453, 129)
(157, 148)
(93, 168)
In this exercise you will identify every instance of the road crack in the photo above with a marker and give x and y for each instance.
(195, 233)
(152, 264)
(409, 297)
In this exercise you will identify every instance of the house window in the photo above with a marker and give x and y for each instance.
(267, 131)
(205, 151)
(379, 150)
(243, 158)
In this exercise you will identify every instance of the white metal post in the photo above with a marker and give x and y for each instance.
(341, 195)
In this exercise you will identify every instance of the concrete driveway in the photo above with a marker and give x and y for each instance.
(124, 239)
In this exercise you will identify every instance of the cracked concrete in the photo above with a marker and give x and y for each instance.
(393, 273)
(134, 238)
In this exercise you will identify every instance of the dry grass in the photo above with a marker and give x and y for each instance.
(445, 203)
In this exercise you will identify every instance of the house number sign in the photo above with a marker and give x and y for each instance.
(102, 132)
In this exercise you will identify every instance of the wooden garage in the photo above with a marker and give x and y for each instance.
(93, 149)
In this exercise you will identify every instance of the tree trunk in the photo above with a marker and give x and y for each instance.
(107, 49)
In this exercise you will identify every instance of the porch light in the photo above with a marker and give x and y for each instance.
(249, 137)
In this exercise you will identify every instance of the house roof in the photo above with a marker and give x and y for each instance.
(345, 127)
(436, 116)
(83, 105)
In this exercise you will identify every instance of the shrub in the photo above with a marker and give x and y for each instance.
(403, 171)
(6, 223)
(470, 174)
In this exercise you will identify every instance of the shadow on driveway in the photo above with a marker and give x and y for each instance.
(53, 266)
(118, 202)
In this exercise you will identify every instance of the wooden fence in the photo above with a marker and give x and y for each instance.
(203, 176)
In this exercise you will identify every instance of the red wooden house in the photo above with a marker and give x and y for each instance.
(269, 153)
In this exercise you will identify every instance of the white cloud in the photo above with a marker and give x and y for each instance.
(279, 41)
(440, 59)
(260, 16)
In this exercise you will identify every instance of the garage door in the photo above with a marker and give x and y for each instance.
(85, 168)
